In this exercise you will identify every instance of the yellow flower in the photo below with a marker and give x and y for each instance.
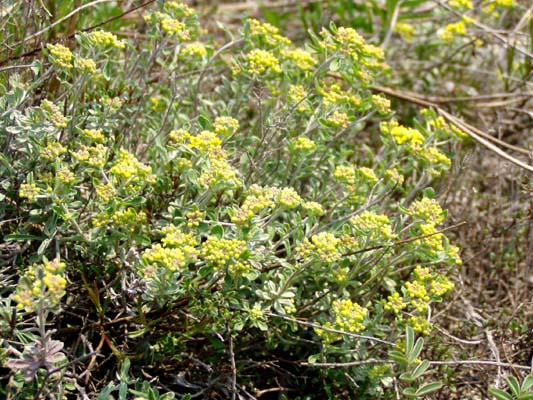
(377, 226)
(268, 33)
(339, 119)
(262, 61)
(302, 144)
(301, 58)
(61, 55)
(225, 126)
(85, 65)
(196, 49)
(428, 210)
(349, 316)
(105, 39)
(288, 198)
(28, 191)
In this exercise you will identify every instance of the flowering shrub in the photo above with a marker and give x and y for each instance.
(211, 210)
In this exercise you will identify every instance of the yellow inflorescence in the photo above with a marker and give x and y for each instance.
(196, 49)
(54, 114)
(395, 303)
(345, 174)
(225, 252)
(105, 39)
(288, 198)
(301, 58)
(334, 94)
(402, 134)
(225, 126)
(339, 119)
(296, 95)
(349, 316)
(128, 168)
(381, 103)
(41, 283)
(61, 55)
(302, 144)
(262, 61)
(313, 208)
(324, 245)
(257, 200)
(267, 32)
(86, 65)
(52, 151)
(378, 226)
(28, 191)
(428, 210)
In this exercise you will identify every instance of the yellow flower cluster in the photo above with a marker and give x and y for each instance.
(395, 176)
(128, 168)
(296, 95)
(450, 31)
(367, 174)
(395, 303)
(426, 286)
(401, 134)
(52, 151)
(179, 9)
(94, 135)
(435, 156)
(258, 199)
(205, 141)
(55, 116)
(381, 103)
(179, 137)
(41, 283)
(335, 94)
(461, 4)
(349, 316)
(225, 252)
(377, 226)
(85, 65)
(95, 156)
(129, 219)
(302, 144)
(218, 172)
(345, 174)
(186, 242)
(420, 324)
(350, 43)
(433, 242)
(28, 191)
(407, 31)
(196, 49)
(268, 33)
(339, 119)
(301, 58)
(288, 198)
(262, 61)
(61, 55)
(104, 39)
(313, 208)
(323, 245)
(175, 27)
(171, 259)
(428, 210)
(65, 175)
(194, 218)
(441, 285)
(225, 126)
(105, 191)
(176, 251)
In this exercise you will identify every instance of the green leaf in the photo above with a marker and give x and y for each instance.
(409, 392)
(406, 377)
(527, 383)
(138, 333)
(500, 394)
(430, 387)
(21, 237)
(420, 369)
(416, 350)
(525, 396)
(409, 340)
(513, 384)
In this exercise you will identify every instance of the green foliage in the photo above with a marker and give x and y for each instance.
(208, 216)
